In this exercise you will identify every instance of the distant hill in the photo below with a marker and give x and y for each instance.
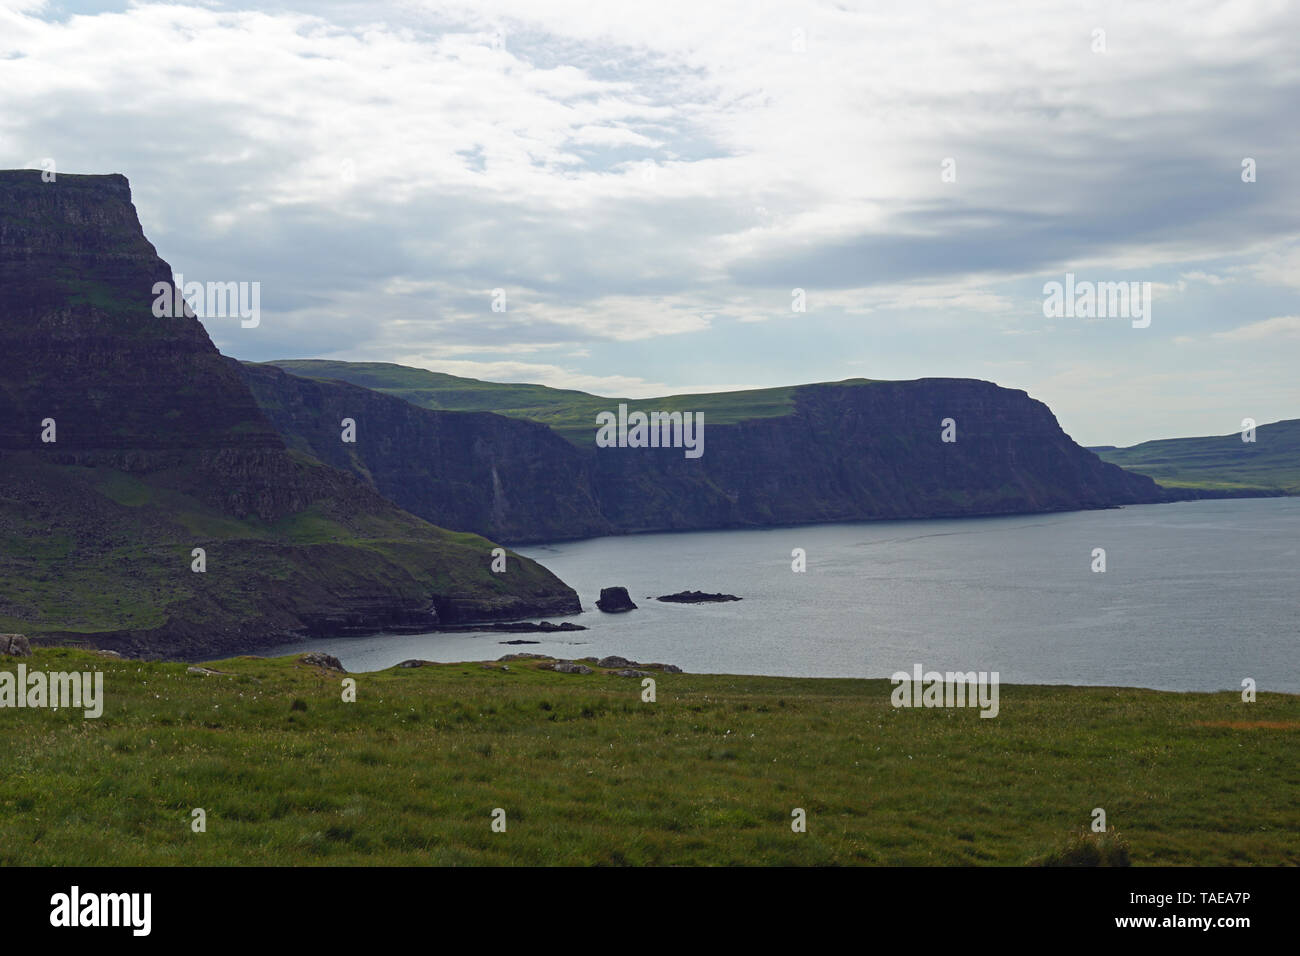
(1222, 463)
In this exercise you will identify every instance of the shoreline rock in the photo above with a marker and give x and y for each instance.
(619, 666)
(327, 661)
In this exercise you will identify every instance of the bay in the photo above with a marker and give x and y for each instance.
(1196, 596)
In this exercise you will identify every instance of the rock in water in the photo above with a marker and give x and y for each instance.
(614, 600)
(696, 597)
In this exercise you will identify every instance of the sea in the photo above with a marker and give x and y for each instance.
(1194, 596)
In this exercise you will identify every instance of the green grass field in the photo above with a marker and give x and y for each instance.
(290, 774)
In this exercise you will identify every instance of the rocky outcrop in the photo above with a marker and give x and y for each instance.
(162, 461)
(566, 667)
(614, 601)
(624, 666)
(325, 661)
(620, 666)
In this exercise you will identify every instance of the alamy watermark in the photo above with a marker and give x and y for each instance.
(212, 300)
(1098, 300)
(129, 910)
(653, 430)
(53, 690)
(949, 689)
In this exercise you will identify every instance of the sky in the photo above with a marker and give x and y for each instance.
(642, 187)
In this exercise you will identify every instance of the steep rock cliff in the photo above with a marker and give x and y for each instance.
(160, 448)
(475, 471)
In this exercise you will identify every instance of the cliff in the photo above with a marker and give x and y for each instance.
(868, 451)
(160, 448)
(846, 451)
(474, 470)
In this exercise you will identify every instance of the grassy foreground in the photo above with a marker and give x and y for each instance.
(587, 773)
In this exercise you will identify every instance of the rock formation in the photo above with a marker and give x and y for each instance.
(615, 600)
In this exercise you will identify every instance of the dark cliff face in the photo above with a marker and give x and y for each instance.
(475, 471)
(161, 448)
(848, 452)
(123, 387)
(857, 452)
(77, 276)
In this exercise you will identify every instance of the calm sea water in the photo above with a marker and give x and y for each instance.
(1195, 596)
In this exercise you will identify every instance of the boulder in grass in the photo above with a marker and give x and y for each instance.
(327, 661)
(15, 645)
(570, 667)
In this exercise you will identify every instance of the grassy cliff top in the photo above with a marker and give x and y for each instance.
(571, 413)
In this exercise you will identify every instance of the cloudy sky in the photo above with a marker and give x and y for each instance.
(648, 183)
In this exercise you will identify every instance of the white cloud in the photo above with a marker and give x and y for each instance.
(1198, 276)
(379, 166)
(1279, 327)
(1278, 267)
